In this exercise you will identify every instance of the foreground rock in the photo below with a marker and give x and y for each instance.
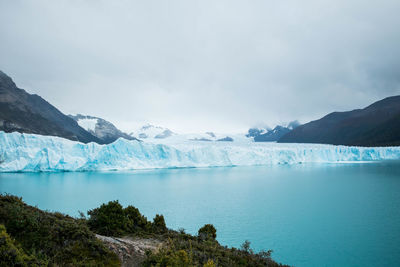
(131, 251)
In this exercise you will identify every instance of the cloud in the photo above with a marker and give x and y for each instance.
(203, 65)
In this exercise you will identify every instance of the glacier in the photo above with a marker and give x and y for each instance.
(36, 153)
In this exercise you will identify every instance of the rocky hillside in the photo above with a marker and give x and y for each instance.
(28, 113)
(271, 135)
(131, 251)
(102, 129)
(375, 125)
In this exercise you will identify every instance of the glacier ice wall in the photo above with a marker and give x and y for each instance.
(30, 153)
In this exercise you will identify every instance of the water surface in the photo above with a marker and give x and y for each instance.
(309, 214)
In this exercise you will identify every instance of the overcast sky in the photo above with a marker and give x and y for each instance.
(203, 65)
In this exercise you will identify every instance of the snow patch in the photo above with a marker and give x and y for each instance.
(88, 124)
(150, 131)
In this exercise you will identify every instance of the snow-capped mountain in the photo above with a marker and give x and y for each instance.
(293, 125)
(209, 136)
(102, 129)
(157, 134)
(150, 131)
(256, 131)
(271, 135)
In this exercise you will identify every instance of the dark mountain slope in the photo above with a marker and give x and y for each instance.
(271, 135)
(375, 125)
(23, 112)
(104, 130)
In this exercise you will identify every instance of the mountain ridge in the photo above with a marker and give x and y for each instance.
(375, 125)
(102, 129)
(266, 134)
(30, 113)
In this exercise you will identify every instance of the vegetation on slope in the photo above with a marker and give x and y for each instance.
(31, 237)
(48, 238)
(11, 254)
(180, 249)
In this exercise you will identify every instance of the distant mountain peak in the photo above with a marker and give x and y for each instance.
(152, 131)
(102, 129)
(5, 79)
(293, 124)
(149, 126)
(271, 135)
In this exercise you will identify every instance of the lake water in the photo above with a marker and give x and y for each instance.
(309, 214)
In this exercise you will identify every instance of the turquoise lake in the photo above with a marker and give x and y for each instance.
(309, 214)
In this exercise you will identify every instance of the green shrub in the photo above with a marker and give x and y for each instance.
(11, 254)
(112, 219)
(203, 253)
(209, 263)
(109, 219)
(246, 247)
(38, 238)
(207, 232)
(53, 237)
(159, 225)
(168, 257)
(136, 221)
